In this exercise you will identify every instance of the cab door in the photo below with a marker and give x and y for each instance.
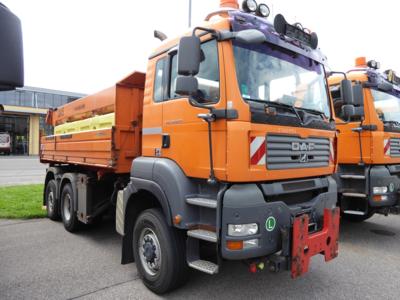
(185, 135)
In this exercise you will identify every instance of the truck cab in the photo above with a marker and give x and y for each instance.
(368, 141)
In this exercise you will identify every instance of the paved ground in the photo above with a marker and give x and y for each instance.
(40, 260)
(16, 170)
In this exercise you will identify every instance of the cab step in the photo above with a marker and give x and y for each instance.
(352, 176)
(203, 202)
(204, 266)
(203, 234)
(354, 212)
(355, 195)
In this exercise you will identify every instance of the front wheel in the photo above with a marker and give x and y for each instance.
(159, 252)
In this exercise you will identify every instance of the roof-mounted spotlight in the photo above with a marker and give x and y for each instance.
(263, 10)
(249, 6)
(373, 64)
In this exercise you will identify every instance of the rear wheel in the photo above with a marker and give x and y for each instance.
(68, 214)
(159, 251)
(52, 204)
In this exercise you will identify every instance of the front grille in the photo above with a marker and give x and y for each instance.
(395, 147)
(293, 152)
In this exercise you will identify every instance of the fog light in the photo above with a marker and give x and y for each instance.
(380, 189)
(249, 6)
(242, 229)
(250, 244)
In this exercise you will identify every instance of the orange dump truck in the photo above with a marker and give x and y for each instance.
(368, 142)
(227, 143)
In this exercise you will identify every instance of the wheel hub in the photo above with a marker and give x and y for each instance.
(150, 251)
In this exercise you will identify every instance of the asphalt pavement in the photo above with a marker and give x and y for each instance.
(40, 260)
(16, 170)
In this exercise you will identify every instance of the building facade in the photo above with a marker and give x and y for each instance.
(23, 112)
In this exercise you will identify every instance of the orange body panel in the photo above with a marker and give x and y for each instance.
(111, 149)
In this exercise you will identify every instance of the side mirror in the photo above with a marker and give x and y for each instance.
(189, 56)
(358, 95)
(186, 85)
(11, 53)
(250, 36)
(349, 110)
(346, 90)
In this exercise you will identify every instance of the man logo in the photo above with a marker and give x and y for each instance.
(297, 146)
(303, 158)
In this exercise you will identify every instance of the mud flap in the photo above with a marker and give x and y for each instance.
(305, 245)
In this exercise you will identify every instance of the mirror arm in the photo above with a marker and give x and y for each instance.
(213, 32)
(330, 73)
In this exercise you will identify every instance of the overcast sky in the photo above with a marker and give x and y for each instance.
(87, 45)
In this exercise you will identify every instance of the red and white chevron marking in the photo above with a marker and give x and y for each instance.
(257, 150)
(332, 150)
(386, 147)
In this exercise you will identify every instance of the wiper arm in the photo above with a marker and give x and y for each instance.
(314, 111)
(287, 106)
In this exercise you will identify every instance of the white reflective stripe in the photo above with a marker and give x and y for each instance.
(152, 130)
(256, 144)
(262, 161)
(385, 144)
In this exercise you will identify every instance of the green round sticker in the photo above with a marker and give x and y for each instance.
(270, 223)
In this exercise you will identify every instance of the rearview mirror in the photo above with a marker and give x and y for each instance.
(11, 53)
(186, 85)
(350, 110)
(189, 56)
(250, 36)
(346, 90)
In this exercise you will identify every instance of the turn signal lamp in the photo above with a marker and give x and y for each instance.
(234, 245)
(361, 62)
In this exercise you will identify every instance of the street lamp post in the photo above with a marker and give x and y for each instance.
(190, 13)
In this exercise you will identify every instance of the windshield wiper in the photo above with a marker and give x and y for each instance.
(287, 106)
(314, 111)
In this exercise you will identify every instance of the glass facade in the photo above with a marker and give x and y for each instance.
(37, 99)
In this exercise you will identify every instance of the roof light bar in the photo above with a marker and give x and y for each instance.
(295, 32)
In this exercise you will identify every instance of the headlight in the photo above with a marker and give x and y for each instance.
(380, 189)
(242, 229)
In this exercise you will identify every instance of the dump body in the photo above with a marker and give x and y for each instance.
(101, 130)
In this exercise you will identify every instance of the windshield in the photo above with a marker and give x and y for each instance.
(270, 73)
(387, 106)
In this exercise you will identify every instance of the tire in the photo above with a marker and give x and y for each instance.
(67, 207)
(357, 218)
(165, 246)
(52, 204)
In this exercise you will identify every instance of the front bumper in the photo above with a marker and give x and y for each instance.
(313, 224)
